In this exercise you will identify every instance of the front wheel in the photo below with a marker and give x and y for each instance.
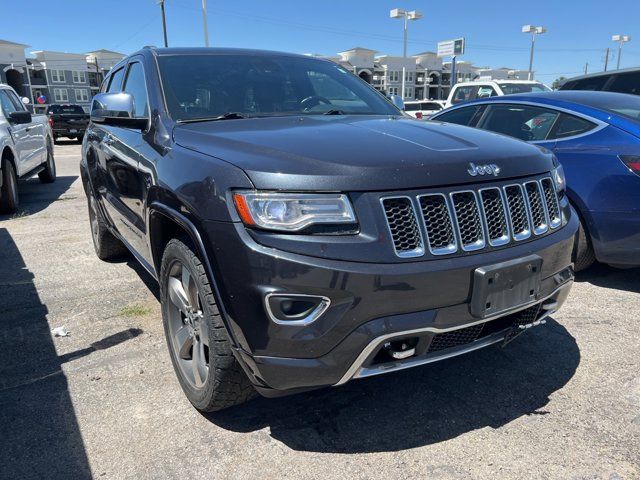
(9, 191)
(200, 350)
(48, 175)
(583, 254)
(107, 246)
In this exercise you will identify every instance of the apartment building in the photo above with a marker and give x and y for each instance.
(426, 75)
(54, 77)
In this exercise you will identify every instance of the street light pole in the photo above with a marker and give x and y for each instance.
(621, 39)
(204, 19)
(534, 31)
(164, 23)
(406, 16)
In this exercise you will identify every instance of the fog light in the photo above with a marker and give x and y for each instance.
(295, 309)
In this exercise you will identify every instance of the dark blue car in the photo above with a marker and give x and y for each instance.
(596, 137)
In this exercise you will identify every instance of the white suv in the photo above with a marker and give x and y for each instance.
(423, 109)
(465, 91)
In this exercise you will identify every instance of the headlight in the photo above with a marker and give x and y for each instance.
(559, 180)
(292, 212)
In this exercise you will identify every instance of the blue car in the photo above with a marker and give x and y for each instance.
(596, 137)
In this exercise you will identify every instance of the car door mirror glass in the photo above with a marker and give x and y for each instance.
(116, 109)
(25, 100)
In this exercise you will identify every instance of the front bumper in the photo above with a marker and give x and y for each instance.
(370, 303)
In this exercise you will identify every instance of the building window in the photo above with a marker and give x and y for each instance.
(408, 92)
(408, 76)
(79, 77)
(82, 95)
(57, 76)
(60, 95)
(393, 90)
(394, 76)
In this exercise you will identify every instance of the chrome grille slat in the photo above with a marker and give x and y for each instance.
(403, 226)
(437, 218)
(552, 202)
(536, 207)
(471, 220)
(468, 220)
(518, 212)
(495, 216)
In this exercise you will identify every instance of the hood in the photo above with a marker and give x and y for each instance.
(358, 153)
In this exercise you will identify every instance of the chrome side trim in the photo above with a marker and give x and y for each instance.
(356, 369)
(315, 314)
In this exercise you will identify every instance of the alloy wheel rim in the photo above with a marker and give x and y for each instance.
(188, 329)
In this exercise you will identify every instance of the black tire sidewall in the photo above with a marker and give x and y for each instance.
(176, 250)
(9, 200)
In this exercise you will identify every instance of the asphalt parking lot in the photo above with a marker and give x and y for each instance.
(561, 401)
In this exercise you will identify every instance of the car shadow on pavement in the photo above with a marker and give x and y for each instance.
(35, 196)
(420, 406)
(40, 434)
(605, 276)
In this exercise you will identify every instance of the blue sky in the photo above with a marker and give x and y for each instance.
(578, 31)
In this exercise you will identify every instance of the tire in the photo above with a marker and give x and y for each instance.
(48, 175)
(9, 200)
(199, 346)
(583, 254)
(107, 246)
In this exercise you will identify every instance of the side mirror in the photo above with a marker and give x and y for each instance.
(20, 117)
(25, 100)
(397, 101)
(116, 109)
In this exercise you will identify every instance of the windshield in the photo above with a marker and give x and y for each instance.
(510, 88)
(211, 85)
(61, 109)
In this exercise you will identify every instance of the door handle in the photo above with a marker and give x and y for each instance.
(108, 140)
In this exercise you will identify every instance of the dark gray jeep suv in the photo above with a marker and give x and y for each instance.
(304, 232)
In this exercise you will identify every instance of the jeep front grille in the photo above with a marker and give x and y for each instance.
(471, 220)
(403, 226)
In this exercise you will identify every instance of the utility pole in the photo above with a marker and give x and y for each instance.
(606, 60)
(164, 22)
(204, 20)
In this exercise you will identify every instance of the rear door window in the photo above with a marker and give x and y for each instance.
(412, 107)
(570, 126)
(524, 122)
(460, 116)
(430, 106)
(625, 83)
(592, 83)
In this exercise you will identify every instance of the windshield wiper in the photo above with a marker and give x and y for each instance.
(224, 116)
(334, 111)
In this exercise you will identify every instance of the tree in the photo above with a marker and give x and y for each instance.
(558, 82)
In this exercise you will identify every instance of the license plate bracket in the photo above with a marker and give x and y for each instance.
(505, 286)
